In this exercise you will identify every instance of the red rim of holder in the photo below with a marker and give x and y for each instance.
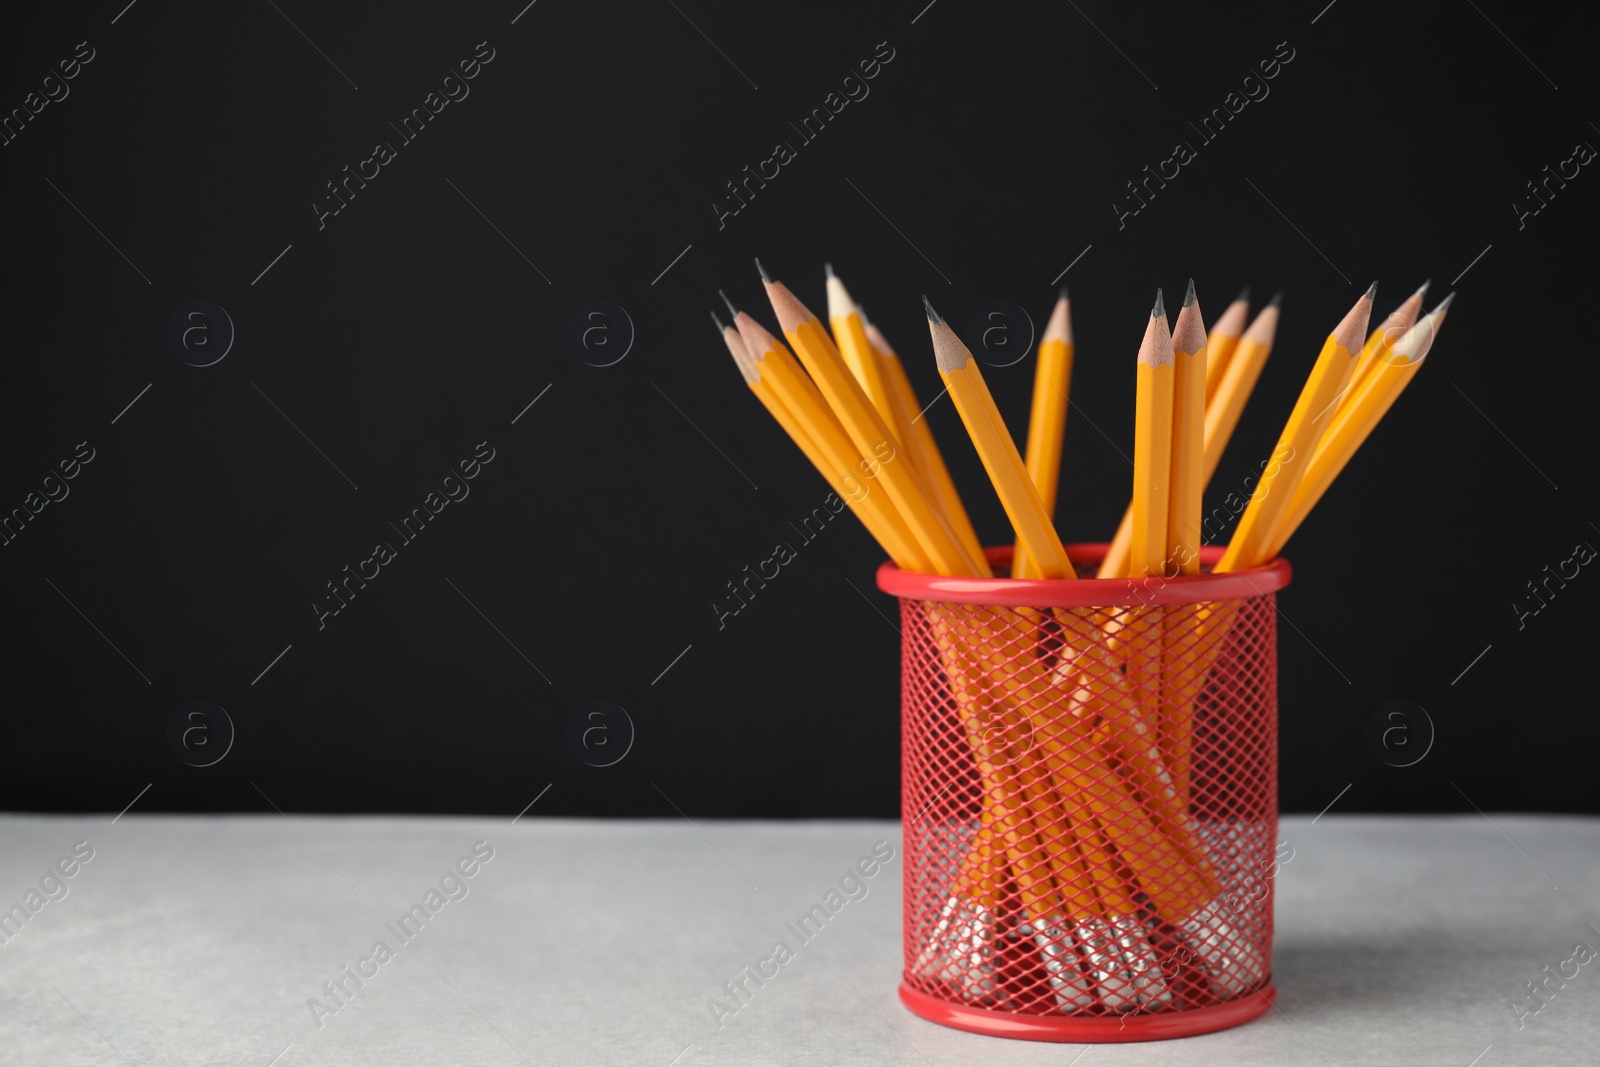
(1086, 592)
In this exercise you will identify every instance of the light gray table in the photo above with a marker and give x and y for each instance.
(199, 941)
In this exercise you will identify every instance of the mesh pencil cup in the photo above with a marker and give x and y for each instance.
(1089, 783)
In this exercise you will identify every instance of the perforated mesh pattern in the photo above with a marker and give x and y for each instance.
(1090, 799)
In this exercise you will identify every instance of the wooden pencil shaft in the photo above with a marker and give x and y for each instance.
(1287, 465)
(1221, 341)
(850, 335)
(1219, 350)
(890, 540)
(1047, 422)
(1152, 466)
(1222, 417)
(1188, 463)
(840, 452)
(1006, 471)
(1354, 422)
(928, 460)
(884, 455)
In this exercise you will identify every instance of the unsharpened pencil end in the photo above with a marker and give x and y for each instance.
(933, 316)
(1189, 297)
(732, 309)
(1160, 310)
(763, 272)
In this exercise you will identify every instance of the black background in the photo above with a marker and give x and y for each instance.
(408, 330)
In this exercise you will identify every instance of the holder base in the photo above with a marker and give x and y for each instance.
(1157, 1026)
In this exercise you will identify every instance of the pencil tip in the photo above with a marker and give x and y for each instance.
(717, 322)
(764, 275)
(1189, 297)
(1444, 303)
(827, 268)
(1277, 299)
(1243, 297)
(732, 310)
(1423, 288)
(1062, 294)
(1160, 309)
(933, 316)
(1372, 291)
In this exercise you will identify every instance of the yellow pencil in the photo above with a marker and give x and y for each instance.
(1307, 423)
(884, 457)
(1189, 371)
(1356, 419)
(916, 435)
(996, 449)
(1222, 416)
(1238, 382)
(1152, 446)
(763, 389)
(850, 335)
(1183, 532)
(771, 362)
(1222, 339)
(1382, 339)
(1047, 419)
(1139, 634)
(1223, 409)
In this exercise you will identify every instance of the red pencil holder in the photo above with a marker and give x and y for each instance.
(1089, 788)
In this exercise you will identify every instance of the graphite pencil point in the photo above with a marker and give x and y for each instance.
(1156, 347)
(1160, 310)
(763, 271)
(1062, 293)
(1372, 290)
(732, 310)
(828, 269)
(717, 323)
(1189, 332)
(1277, 299)
(1353, 327)
(933, 316)
(1444, 303)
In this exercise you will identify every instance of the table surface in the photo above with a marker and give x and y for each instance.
(200, 940)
